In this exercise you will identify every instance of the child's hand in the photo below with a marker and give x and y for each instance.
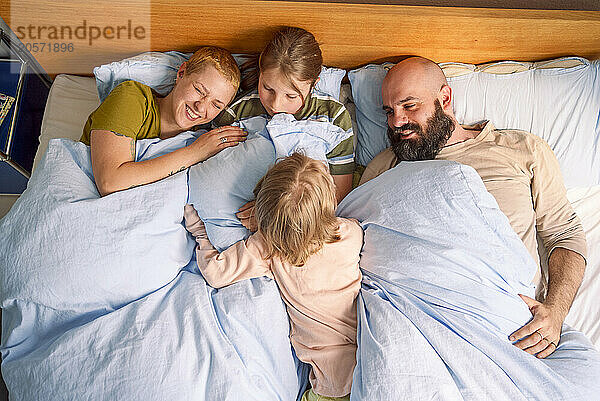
(247, 217)
(190, 216)
(193, 223)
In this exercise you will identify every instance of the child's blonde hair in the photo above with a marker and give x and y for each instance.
(217, 57)
(295, 209)
(294, 52)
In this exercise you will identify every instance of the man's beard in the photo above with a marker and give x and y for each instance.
(425, 145)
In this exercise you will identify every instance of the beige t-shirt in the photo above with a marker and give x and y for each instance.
(320, 297)
(520, 170)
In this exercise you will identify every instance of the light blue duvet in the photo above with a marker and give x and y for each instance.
(102, 302)
(442, 273)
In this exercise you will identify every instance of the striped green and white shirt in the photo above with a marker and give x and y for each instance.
(318, 107)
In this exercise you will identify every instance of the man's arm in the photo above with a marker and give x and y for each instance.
(565, 274)
(564, 239)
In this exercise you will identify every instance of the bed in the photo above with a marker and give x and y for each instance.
(147, 310)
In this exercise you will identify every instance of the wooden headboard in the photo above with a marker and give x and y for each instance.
(350, 34)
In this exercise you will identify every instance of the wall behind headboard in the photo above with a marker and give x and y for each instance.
(350, 34)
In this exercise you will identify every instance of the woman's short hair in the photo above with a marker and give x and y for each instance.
(295, 209)
(217, 57)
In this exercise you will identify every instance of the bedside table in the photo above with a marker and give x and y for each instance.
(24, 89)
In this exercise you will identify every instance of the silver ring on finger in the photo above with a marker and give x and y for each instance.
(539, 334)
(224, 139)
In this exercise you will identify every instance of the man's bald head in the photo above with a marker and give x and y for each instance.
(417, 72)
(417, 100)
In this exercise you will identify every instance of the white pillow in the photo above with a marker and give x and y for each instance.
(559, 104)
(159, 70)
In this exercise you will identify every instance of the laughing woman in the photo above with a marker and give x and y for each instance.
(205, 85)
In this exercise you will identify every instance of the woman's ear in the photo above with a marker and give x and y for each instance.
(181, 71)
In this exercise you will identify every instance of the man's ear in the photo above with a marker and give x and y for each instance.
(445, 97)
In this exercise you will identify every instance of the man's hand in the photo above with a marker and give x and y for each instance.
(541, 335)
(247, 216)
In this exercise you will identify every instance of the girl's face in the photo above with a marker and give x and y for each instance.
(277, 95)
(200, 96)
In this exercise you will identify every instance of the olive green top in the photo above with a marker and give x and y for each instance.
(130, 109)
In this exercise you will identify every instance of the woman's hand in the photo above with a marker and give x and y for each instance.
(214, 141)
(247, 216)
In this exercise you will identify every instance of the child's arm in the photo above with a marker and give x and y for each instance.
(247, 217)
(239, 262)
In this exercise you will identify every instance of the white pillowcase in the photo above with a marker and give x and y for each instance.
(159, 70)
(561, 105)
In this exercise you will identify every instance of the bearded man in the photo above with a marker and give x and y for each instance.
(518, 168)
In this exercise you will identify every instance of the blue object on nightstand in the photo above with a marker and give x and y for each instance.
(23, 93)
(12, 180)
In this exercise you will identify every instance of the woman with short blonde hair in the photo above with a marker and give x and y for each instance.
(204, 86)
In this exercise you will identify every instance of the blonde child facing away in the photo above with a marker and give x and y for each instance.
(311, 254)
(282, 80)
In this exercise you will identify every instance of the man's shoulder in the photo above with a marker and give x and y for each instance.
(384, 161)
(385, 158)
(515, 137)
(520, 145)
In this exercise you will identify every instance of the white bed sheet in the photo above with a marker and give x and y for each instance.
(73, 98)
(585, 312)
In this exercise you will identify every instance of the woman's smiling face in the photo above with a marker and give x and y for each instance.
(278, 95)
(200, 96)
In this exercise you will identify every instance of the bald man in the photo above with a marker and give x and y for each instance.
(517, 168)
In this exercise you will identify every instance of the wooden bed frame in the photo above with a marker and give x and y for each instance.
(350, 34)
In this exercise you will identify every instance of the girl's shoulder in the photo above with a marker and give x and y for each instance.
(246, 106)
(322, 106)
(322, 99)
